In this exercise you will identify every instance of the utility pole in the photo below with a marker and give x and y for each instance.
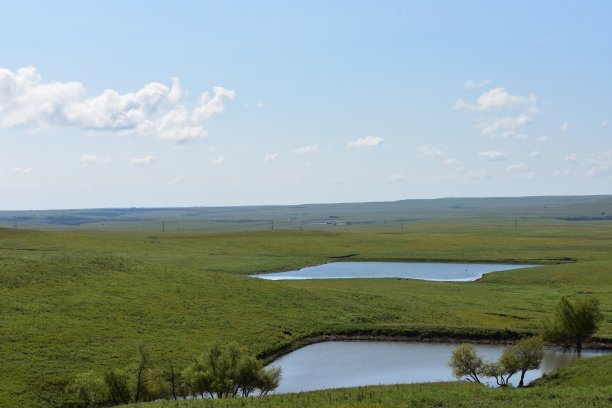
(163, 226)
(272, 225)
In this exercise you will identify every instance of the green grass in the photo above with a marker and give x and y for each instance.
(72, 301)
(585, 383)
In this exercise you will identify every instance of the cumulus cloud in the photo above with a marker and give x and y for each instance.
(517, 167)
(496, 99)
(271, 157)
(157, 109)
(564, 126)
(218, 160)
(396, 177)
(143, 161)
(306, 149)
(369, 141)
(604, 123)
(534, 153)
(23, 170)
(504, 128)
(177, 180)
(523, 175)
(90, 158)
(476, 84)
(493, 155)
(451, 162)
(428, 152)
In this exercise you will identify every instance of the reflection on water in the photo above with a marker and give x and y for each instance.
(433, 271)
(350, 364)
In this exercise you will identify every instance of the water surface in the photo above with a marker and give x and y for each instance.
(350, 364)
(432, 271)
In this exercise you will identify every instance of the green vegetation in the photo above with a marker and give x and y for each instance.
(526, 354)
(584, 383)
(76, 301)
(574, 322)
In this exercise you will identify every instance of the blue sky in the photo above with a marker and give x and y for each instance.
(188, 103)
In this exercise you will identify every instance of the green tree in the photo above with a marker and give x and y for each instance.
(573, 322)
(465, 362)
(523, 356)
(225, 370)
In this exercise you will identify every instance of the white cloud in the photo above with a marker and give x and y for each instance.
(23, 170)
(143, 161)
(543, 139)
(504, 128)
(534, 153)
(478, 175)
(271, 157)
(396, 177)
(517, 167)
(157, 109)
(177, 180)
(259, 104)
(564, 126)
(571, 157)
(306, 149)
(90, 158)
(369, 141)
(218, 160)
(476, 84)
(604, 123)
(523, 175)
(496, 99)
(451, 162)
(428, 152)
(494, 155)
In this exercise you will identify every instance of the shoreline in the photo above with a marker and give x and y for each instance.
(271, 355)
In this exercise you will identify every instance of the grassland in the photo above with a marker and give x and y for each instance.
(585, 383)
(76, 300)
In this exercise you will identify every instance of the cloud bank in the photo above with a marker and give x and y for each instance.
(155, 109)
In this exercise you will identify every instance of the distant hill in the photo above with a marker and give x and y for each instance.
(345, 215)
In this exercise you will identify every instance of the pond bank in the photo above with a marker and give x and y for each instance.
(503, 337)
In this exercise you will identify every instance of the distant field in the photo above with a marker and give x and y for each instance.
(79, 298)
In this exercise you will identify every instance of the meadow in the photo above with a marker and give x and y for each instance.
(79, 298)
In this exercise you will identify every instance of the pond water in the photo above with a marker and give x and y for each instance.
(432, 271)
(337, 364)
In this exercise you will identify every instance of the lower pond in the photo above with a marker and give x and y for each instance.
(432, 271)
(337, 364)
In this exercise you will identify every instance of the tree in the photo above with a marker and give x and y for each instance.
(523, 356)
(465, 362)
(225, 370)
(573, 322)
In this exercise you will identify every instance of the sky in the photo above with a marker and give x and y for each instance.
(208, 103)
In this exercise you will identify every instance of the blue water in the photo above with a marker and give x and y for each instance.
(356, 363)
(432, 271)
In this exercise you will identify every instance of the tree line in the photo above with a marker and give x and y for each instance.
(572, 323)
(222, 371)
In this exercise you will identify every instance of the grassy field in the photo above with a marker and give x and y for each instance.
(75, 300)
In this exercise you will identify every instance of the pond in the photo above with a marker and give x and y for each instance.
(432, 271)
(337, 364)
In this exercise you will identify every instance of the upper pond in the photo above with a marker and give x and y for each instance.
(350, 364)
(432, 271)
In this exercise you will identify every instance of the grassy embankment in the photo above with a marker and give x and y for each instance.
(585, 383)
(76, 301)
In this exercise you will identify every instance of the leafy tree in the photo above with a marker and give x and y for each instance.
(465, 362)
(523, 356)
(89, 388)
(224, 371)
(573, 322)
